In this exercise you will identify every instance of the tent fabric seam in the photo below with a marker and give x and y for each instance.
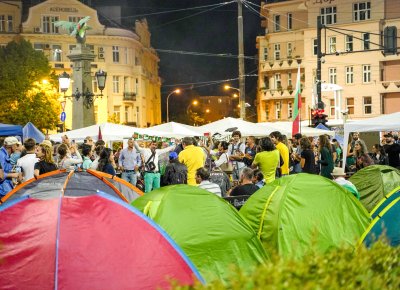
(384, 199)
(378, 217)
(57, 242)
(159, 229)
(265, 211)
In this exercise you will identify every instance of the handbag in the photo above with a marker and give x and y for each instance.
(227, 167)
(149, 166)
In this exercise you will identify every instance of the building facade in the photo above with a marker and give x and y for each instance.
(358, 78)
(132, 92)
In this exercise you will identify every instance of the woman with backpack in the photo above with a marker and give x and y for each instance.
(175, 172)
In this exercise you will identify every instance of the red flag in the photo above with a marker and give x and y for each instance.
(297, 106)
(100, 137)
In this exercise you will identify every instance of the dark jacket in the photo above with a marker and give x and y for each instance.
(175, 173)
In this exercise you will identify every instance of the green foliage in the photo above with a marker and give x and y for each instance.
(375, 268)
(24, 96)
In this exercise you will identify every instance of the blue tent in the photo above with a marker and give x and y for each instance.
(386, 224)
(30, 131)
(395, 193)
(10, 130)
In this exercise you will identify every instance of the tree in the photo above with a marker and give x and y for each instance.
(24, 96)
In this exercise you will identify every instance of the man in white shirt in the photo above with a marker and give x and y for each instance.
(236, 152)
(27, 162)
(202, 179)
(150, 163)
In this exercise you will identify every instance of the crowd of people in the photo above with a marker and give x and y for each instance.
(224, 168)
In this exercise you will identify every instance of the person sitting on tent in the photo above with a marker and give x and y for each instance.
(339, 177)
(246, 186)
(6, 185)
(106, 161)
(175, 172)
(46, 163)
(202, 179)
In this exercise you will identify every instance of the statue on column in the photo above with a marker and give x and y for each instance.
(78, 29)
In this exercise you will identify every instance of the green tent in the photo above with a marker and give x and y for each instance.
(374, 182)
(209, 230)
(295, 213)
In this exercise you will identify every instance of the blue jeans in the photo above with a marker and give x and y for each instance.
(129, 176)
(151, 181)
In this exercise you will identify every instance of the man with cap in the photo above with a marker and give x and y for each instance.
(339, 177)
(175, 172)
(392, 150)
(6, 185)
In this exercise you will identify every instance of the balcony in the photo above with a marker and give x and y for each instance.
(280, 64)
(268, 94)
(129, 97)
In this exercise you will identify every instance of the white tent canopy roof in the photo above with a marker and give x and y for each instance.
(173, 129)
(286, 128)
(246, 128)
(109, 132)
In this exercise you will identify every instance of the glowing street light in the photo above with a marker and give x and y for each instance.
(177, 91)
(207, 110)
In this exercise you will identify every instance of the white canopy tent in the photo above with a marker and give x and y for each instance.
(286, 128)
(178, 130)
(109, 132)
(390, 122)
(231, 124)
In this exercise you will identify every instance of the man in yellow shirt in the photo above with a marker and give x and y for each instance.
(193, 157)
(276, 138)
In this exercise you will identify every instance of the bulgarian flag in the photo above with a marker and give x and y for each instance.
(297, 106)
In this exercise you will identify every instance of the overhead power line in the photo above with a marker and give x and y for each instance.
(225, 55)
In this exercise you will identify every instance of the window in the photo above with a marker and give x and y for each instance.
(57, 52)
(6, 23)
(349, 43)
(289, 21)
(266, 82)
(38, 46)
(332, 107)
(349, 75)
(328, 15)
(126, 55)
(117, 113)
(277, 23)
(116, 84)
(289, 79)
(277, 51)
(315, 46)
(332, 75)
(71, 47)
(290, 110)
(265, 56)
(350, 106)
(136, 86)
(366, 73)
(115, 52)
(332, 44)
(289, 49)
(278, 83)
(94, 84)
(278, 106)
(361, 11)
(126, 114)
(367, 104)
(48, 24)
(366, 40)
(74, 18)
(126, 85)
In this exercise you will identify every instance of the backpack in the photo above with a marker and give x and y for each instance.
(178, 174)
(222, 179)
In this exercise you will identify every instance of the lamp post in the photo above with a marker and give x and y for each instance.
(177, 91)
(241, 100)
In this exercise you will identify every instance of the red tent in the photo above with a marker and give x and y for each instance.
(89, 242)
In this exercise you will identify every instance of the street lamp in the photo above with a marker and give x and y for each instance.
(177, 91)
(241, 99)
(88, 97)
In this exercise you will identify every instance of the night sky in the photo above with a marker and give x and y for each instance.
(213, 31)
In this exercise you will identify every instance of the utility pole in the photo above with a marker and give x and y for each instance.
(319, 57)
(242, 95)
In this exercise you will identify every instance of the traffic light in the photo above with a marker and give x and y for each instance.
(318, 116)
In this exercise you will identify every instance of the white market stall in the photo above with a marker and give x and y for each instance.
(177, 130)
(286, 128)
(390, 122)
(231, 124)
